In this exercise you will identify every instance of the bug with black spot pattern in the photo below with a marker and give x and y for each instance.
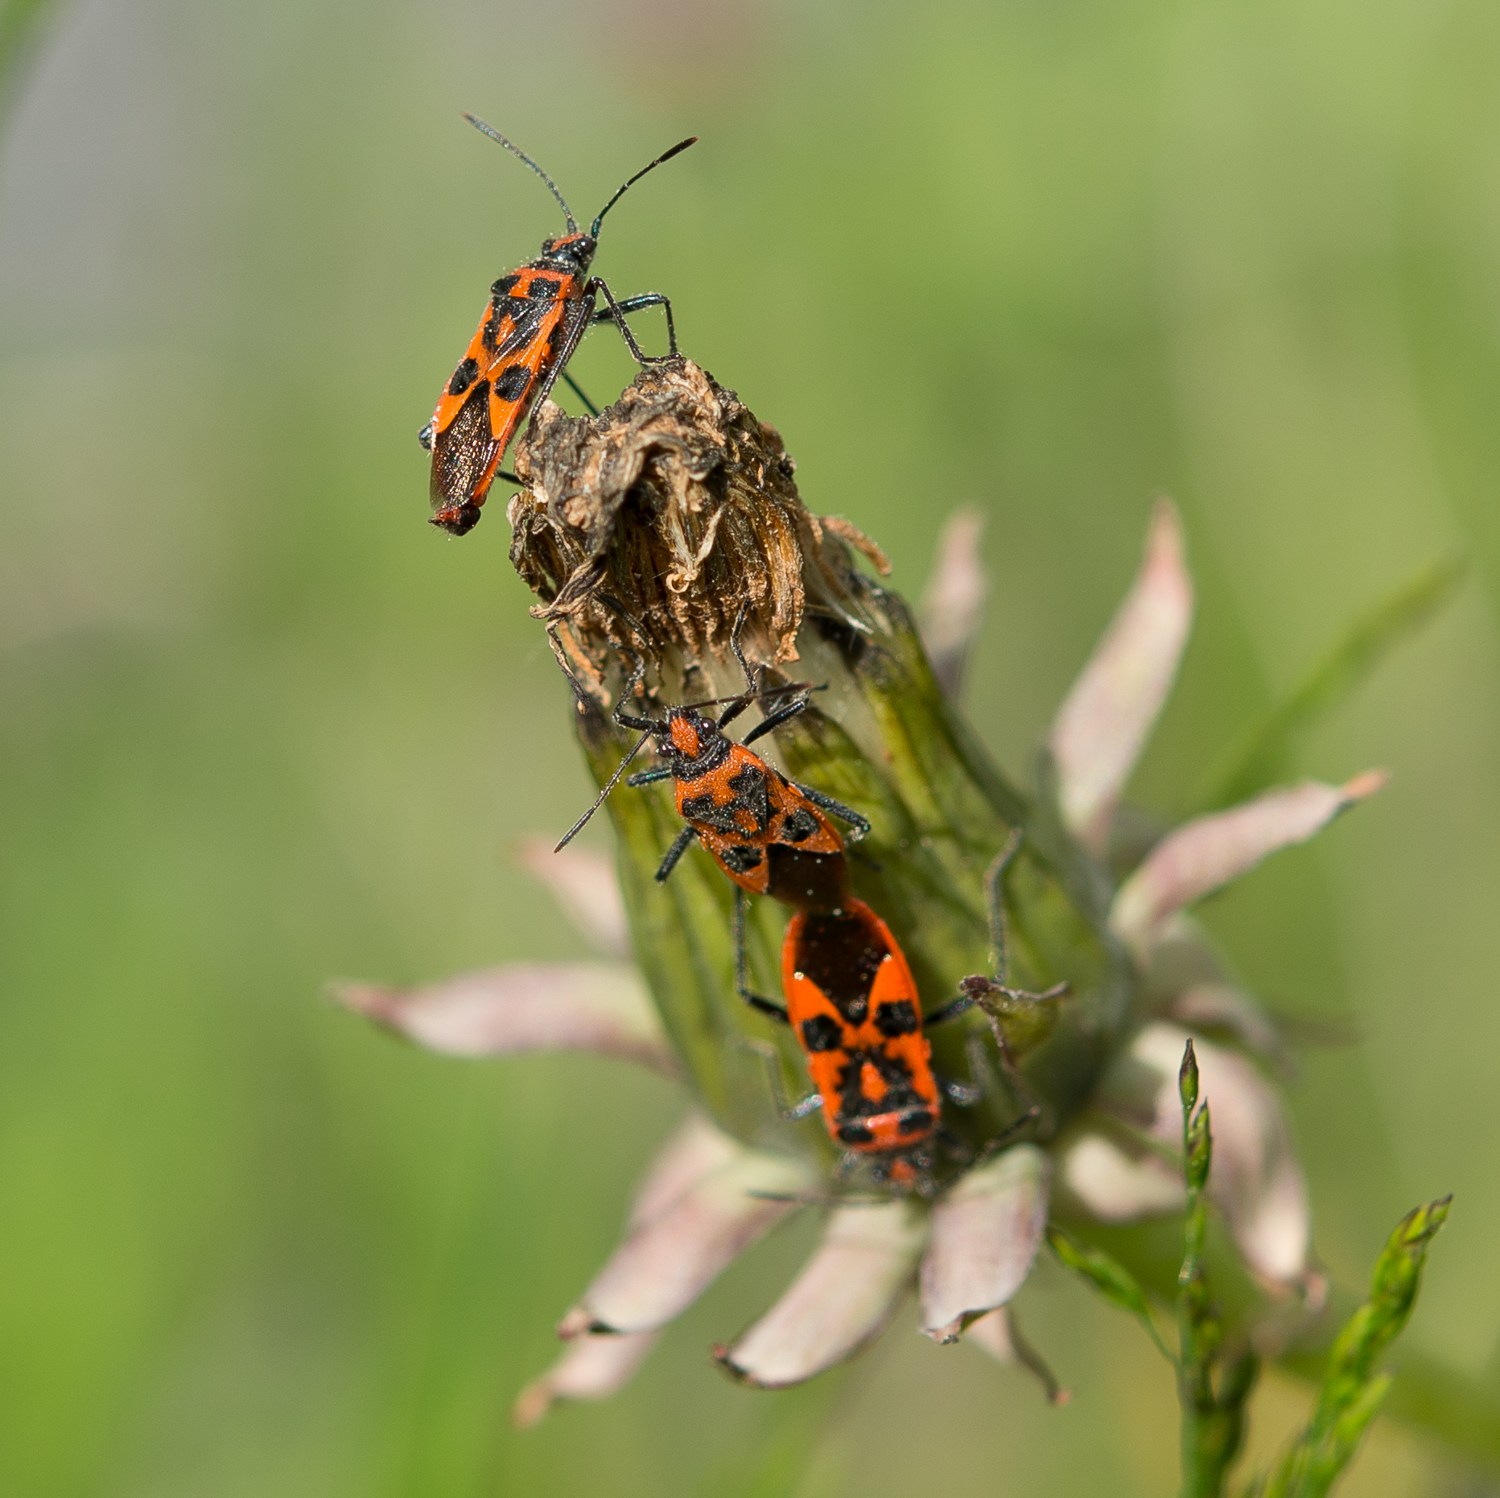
(853, 1005)
(533, 323)
(769, 834)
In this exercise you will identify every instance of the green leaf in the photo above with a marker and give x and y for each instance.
(1352, 1389)
(1199, 1152)
(1257, 758)
(1187, 1079)
(1197, 1157)
(1112, 1280)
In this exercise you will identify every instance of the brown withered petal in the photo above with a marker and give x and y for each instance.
(952, 606)
(845, 1294)
(1255, 1180)
(667, 1261)
(590, 1368)
(1105, 718)
(851, 535)
(985, 1235)
(584, 884)
(528, 1006)
(1208, 852)
(1115, 1187)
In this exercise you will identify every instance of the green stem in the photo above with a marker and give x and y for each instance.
(1213, 1423)
(1460, 1409)
(1213, 1418)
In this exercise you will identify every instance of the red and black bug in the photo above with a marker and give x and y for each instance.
(770, 835)
(854, 1007)
(534, 321)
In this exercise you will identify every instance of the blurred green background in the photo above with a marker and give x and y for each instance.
(260, 725)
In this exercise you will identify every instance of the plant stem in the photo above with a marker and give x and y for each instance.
(1213, 1420)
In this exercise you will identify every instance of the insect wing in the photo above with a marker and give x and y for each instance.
(796, 822)
(896, 1023)
(893, 1029)
(816, 1022)
(491, 390)
(465, 456)
(742, 860)
(896, 1010)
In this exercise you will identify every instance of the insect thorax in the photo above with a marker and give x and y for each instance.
(573, 252)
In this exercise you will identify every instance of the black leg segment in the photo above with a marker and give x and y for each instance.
(577, 390)
(675, 852)
(861, 825)
(650, 777)
(780, 716)
(614, 312)
(994, 897)
(741, 974)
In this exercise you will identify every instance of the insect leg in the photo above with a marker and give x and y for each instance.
(741, 975)
(565, 351)
(650, 777)
(1010, 1131)
(955, 1146)
(951, 1010)
(776, 719)
(994, 897)
(752, 678)
(638, 304)
(577, 390)
(861, 825)
(630, 720)
(675, 852)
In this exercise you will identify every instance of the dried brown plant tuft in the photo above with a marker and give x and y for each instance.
(654, 523)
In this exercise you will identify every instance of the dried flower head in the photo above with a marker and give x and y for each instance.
(681, 504)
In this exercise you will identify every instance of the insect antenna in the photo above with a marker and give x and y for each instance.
(640, 743)
(614, 780)
(681, 145)
(515, 150)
